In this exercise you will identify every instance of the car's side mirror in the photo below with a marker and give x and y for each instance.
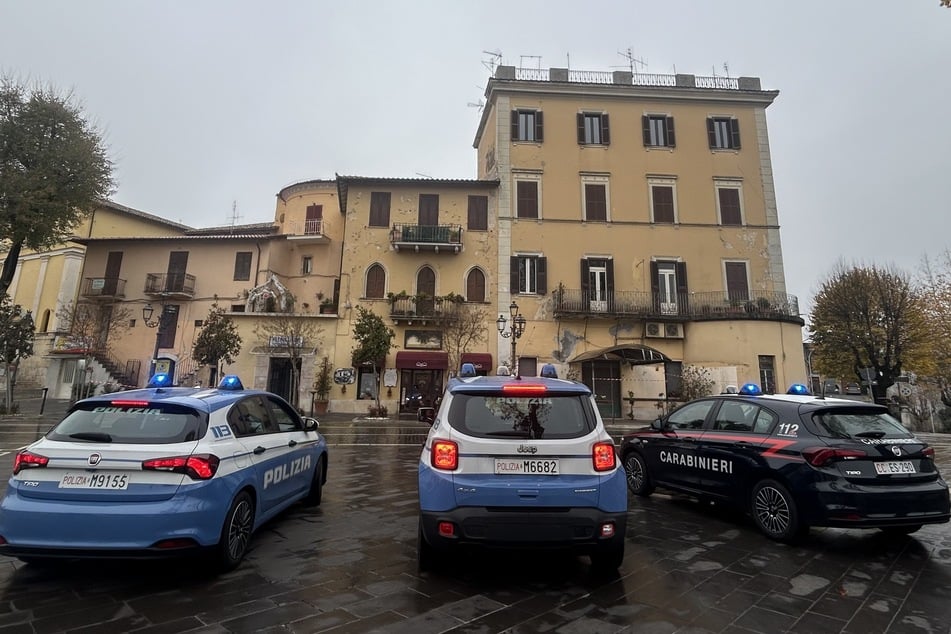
(426, 415)
(658, 424)
(310, 424)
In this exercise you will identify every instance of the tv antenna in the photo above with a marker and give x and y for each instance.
(495, 58)
(632, 62)
(726, 69)
(234, 213)
(476, 104)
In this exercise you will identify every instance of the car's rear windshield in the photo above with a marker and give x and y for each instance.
(138, 424)
(545, 417)
(858, 423)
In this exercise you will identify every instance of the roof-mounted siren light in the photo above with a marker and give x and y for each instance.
(231, 382)
(549, 371)
(467, 371)
(798, 389)
(731, 389)
(751, 389)
(503, 370)
(162, 379)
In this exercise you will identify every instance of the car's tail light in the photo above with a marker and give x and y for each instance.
(196, 467)
(820, 456)
(928, 452)
(127, 403)
(523, 389)
(26, 460)
(602, 454)
(445, 455)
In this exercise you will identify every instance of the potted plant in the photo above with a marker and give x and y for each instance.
(327, 306)
(322, 384)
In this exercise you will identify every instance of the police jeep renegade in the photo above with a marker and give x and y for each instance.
(161, 471)
(792, 461)
(520, 462)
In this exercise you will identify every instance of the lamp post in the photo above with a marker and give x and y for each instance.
(512, 331)
(147, 312)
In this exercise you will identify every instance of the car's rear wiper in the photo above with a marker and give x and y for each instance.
(870, 434)
(92, 435)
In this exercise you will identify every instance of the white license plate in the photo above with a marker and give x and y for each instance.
(894, 466)
(111, 481)
(526, 466)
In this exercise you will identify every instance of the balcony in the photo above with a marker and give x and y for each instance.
(434, 238)
(307, 231)
(705, 306)
(422, 309)
(103, 288)
(173, 285)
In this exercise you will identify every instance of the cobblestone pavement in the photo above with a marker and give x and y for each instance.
(349, 566)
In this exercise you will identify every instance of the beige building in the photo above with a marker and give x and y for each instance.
(638, 231)
(630, 220)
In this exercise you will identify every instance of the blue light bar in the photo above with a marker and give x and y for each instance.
(798, 388)
(160, 380)
(468, 371)
(549, 371)
(751, 389)
(230, 382)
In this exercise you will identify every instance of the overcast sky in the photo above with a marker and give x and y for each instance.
(210, 104)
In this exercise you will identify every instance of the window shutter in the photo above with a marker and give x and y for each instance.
(580, 128)
(735, 134)
(475, 286)
(585, 282)
(605, 130)
(596, 203)
(539, 126)
(655, 282)
(711, 133)
(680, 268)
(730, 206)
(515, 136)
(646, 126)
(527, 199)
(513, 274)
(671, 140)
(663, 203)
(478, 213)
(542, 277)
(609, 265)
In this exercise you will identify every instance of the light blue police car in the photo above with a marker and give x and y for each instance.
(520, 462)
(161, 471)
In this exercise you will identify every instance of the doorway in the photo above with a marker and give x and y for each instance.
(280, 378)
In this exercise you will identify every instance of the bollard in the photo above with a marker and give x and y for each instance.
(43, 402)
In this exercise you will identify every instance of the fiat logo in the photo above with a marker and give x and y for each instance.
(896, 450)
(94, 459)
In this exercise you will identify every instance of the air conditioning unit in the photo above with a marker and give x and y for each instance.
(654, 329)
(674, 331)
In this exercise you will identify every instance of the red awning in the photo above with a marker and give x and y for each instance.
(481, 360)
(413, 360)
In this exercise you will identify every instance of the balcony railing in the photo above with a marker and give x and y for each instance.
(314, 227)
(170, 284)
(105, 287)
(426, 237)
(409, 308)
(685, 306)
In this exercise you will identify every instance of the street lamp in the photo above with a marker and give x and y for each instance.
(147, 312)
(513, 331)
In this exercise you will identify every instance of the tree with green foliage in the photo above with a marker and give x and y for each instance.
(374, 341)
(870, 317)
(217, 341)
(289, 333)
(53, 170)
(935, 286)
(16, 342)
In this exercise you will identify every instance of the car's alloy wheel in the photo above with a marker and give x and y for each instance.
(236, 532)
(774, 511)
(638, 481)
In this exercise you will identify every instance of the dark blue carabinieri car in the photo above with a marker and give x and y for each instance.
(792, 461)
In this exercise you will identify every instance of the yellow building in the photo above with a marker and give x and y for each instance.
(638, 231)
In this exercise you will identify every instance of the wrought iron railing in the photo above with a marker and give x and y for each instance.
(170, 283)
(421, 306)
(637, 79)
(103, 287)
(426, 234)
(696, 306)
(314, 227)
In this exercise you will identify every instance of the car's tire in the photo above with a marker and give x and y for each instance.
(425, 553)
(774, 511)
(898, 531)
(316, 492)
(608, 560)
(638, 480)
(236, 532)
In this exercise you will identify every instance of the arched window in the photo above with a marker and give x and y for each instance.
(425, 291)
(376, 281)
(475, 286)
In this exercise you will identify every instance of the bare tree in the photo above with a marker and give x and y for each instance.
(870, 317)
(465, 327)
(91, 328)
(290, 334)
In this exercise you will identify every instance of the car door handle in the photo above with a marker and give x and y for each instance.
(292, 443)
(259, 449)
(689, 439)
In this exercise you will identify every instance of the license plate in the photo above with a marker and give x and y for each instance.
(526, 466)
(111, 481)
(894, 466)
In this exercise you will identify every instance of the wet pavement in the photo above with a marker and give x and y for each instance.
(349, 566)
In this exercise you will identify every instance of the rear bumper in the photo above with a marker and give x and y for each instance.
(577, 529)
(842, 504)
